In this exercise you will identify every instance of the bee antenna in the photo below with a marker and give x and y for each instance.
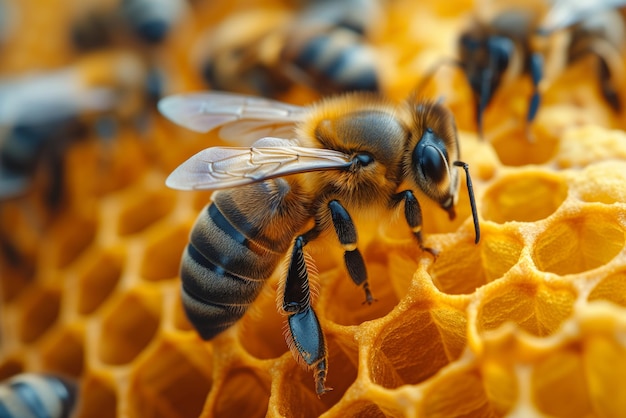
(470, 192)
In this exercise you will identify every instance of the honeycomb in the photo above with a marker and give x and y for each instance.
(529, 322)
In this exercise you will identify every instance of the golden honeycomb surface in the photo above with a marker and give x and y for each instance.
(529, 322)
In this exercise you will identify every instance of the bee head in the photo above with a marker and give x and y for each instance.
(433, 150)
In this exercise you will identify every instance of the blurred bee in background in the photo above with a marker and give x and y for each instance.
(323, 46)
(31, 395)
(148, 21)
(307, 170)
(508, 40)
(42, 114)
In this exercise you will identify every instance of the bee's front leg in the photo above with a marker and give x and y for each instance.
(413, 216)
(346, 232)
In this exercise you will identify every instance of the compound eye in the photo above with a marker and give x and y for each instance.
(432, 164)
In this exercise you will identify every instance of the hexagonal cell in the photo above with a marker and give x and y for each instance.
(501, 249)
(603, 182)
(579, 243)
(535, 307)
(458, 394)
(260, 331)
(409, 351)
(97, 399)
(524, 196)
(612, 288)
(514, 148)
(604, 362)
(39, 310)
(296, 388)
(64, 353)
(162, 253)
(458, 268)
(97, 278)
(144, 209)
(70, 237)
(344, 301)
(343, 360)
(243, 393)
(168, 383)
(365, 409)
(128, 328)
(559, 385)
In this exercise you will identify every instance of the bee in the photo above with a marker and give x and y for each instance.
(514, 39)
(323, 46)
(152, 20)
(308, 169)
(41, 114)
(146, 21)
(31, 395)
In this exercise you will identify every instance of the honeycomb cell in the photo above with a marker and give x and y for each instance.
(459, 394)
(602, 182)
(500, 250)
(97, 278)
(537, 308)
(261, 330)
(459, 268)
(524, 196)
(127, 328)
(166, 245)
(167, 383)
(64, 353)
(243, 393)
(418, 344)
(604, 365)
(144, 209)
(559, 384)
(40, 309)
(97, 399)
(579, 243)
(342, 363)
(362, 408)
(611, 288)
(345, 301)
(73, 236)
(514, 148)
(294, 388)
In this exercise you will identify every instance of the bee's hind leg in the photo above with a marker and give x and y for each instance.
(305, 336)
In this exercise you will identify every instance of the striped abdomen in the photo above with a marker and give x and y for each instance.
(32, 395)
(235, 245)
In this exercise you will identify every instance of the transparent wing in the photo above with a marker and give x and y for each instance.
(564, 13)
(225, 167)
(243, 119)
(42, 98)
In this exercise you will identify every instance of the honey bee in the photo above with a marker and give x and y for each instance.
(308, 169)
(31, 395)
(146, 21)
(322, 46)
(513, 39)
(41, 114)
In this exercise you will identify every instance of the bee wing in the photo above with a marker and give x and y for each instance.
(243, 119)
(225, 167)
(41, 98)
(565, 13)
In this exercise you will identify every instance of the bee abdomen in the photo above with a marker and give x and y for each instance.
(37, 396)
(222, 272)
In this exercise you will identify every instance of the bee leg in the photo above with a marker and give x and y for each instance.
(608, 89)
(346, 232)
(536, 74)
(305, 333)
(413, 216)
